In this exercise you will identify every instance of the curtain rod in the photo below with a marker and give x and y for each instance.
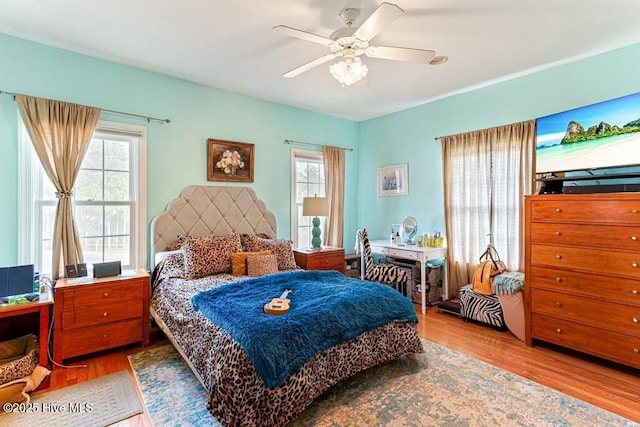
(122, 113)
(291, 141)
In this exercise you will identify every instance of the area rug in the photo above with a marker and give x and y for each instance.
(438, 388)
(95, 403)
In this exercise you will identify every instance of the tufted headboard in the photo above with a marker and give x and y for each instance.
(211, 210)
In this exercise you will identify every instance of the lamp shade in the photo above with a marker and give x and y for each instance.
(315, 206)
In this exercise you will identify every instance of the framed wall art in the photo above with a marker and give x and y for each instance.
(393, 180)
(229, 161)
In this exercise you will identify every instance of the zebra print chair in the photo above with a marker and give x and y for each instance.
(481, 308)
(384, 273)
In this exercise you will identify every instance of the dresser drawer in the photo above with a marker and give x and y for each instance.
(586, 211)
(103, 295)
(602, 236)
(607, 344)
(326, 261)
(596, 260)
(96, 315)
(586, 284)
(88, 340)
(618, 317)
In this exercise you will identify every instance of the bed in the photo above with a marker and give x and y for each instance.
(238, 394)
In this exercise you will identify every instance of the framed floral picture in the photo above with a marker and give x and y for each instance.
(229, 161)
(393, 180)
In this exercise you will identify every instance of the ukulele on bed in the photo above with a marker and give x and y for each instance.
(278, 305)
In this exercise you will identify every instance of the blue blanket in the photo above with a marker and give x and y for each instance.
(508, 282)
(327, 308)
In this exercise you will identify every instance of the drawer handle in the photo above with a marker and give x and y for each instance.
(635, 211)
(634, 238)
(106, 294)
(635, 292)
(104, 336)
(104, 314)
(636, 351)
(558, 303)
(634, 264)
(635, 320)
(559, 330)
(558, 279)
(558, 233)
(558, 256)
(558, 210)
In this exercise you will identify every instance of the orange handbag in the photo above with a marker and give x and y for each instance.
(490, 266)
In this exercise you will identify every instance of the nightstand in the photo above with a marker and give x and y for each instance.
(325, 258)
(91, 315)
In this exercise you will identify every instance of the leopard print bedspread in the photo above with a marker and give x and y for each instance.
(237, 394)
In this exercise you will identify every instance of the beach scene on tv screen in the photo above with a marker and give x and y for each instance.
(596, 136)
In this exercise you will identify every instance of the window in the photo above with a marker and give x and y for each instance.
(487, 174)
(109, 200)
(307, 181)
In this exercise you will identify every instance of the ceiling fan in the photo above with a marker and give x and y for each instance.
(349, 43)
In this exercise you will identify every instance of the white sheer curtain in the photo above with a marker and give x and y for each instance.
(487, 173)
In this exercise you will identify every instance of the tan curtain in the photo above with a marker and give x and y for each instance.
(486, 176)
(61, 133)
(333, 158)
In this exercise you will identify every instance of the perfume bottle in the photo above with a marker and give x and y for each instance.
(392, 237)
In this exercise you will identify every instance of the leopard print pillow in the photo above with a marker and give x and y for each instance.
(281, 248)
(259, 265)
(177, 244)
(204, 256)
(173, 265)
(239, 262)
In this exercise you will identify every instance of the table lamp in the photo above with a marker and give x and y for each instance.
(315, 207)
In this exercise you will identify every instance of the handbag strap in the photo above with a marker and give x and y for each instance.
(491, 254)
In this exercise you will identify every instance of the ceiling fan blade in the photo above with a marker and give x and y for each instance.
(384, 15)
(400, 54)
(299, 34)
(309, 65)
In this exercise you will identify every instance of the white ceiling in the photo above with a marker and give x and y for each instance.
(231, 45)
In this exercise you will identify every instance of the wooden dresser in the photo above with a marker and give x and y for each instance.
(96, 314)
(582, 273)
(326, 258)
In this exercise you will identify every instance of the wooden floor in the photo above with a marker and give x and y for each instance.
(607, 385)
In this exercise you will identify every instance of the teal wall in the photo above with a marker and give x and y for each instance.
(177, 151)
(408, 136)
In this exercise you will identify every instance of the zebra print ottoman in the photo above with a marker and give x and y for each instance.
(481, 308)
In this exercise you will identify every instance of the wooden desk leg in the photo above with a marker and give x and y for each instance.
(45, 312)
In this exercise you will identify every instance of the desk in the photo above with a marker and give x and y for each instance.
(415, 253)
(43, 307)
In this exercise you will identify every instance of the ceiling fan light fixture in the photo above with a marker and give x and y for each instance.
(348, 71)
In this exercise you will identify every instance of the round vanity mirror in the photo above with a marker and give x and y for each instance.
(410, 228)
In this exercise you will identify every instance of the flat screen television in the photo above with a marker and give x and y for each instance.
(602, 135)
